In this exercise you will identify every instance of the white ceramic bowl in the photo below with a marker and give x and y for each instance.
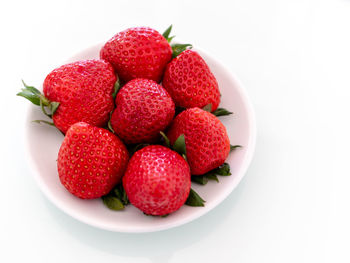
(43, 143)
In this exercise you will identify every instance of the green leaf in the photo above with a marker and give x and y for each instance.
(212, 176)
(117, 87)
(48, 114)
(30, 93)
(120, 193)
(208, 107)
(156, 215)
(37, 98)
(53, 106)
(221, 112)
(199, 179)
(232, 147)
(117, 193)
(178, 48)
(125, 198)
(179, 145)
(167, 33)
(223, 170)
(43, 121)
(194, 199)
(109, 124)
(29, 96)
(31, 88)
(116, 199)
(166, 139)
(169, 39)
(203, 179)
(112, 202)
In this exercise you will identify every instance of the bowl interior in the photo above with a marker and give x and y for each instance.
(43, 143)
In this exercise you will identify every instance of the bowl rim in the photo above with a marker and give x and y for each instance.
(240, 174)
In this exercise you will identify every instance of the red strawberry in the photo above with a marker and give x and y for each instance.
(144, 108)
(83, 91)
(207, 143)
(157, 180)
(190, 82)
(139, 52)
(91, 161)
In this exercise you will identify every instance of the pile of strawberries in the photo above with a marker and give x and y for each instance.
(129, 138)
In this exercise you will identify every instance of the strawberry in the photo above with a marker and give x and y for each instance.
(144, 108)
(190, 82)
(91, 161)
(139, 52)
(207, 143)
(79, 91)
(157, 180)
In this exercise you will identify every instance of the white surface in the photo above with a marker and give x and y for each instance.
(294, 59)
(43, 144)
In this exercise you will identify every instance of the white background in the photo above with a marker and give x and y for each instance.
(293, 58)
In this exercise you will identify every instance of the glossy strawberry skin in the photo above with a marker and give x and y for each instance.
(91, 161)
(157, 180)
(139, 52)
(207, 143)
(190, 82)
(84, 90)
(143, 109)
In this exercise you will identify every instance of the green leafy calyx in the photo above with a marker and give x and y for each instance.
(232, 147)
(167, 33)
(176, 48)
(194, 199)
(36, 97)
(165, 138)
(180, 146)
(112, 202)
(221, 112)
(179, 48)
(117, 87)
(223, 170)
(43, 121)
(116, 199)
(208, 107)
(120, 193)
(109, 124)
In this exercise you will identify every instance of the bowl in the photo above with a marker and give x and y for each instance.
(43, 142)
